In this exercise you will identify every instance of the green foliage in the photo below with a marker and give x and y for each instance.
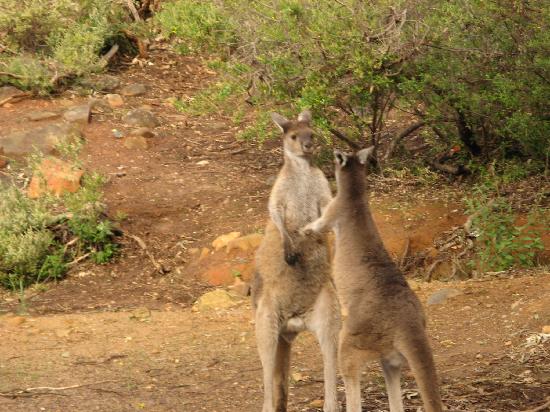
(501, 243)
(217, 98)
(353, 62)
(38, 238)
(49, 41)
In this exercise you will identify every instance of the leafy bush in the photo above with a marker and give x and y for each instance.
(501, 242)
(473, 74)
(46, 43)
(39, 238)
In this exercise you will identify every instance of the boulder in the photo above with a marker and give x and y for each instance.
(136, 89)
(43, 138)
(216, 300)
(79, 114)
(54, 176)
(141, 118)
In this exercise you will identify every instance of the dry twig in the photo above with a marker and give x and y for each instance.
(159, 268)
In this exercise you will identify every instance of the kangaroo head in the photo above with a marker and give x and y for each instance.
(297, 134)
(350, 168)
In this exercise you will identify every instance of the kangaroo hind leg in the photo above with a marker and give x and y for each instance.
(391, 367)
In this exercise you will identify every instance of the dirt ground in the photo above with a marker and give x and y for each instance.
(121, 337)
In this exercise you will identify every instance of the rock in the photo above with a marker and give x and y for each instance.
(136, 142)
(143, 131)
(42, 115)
(115, 100)
(245, 243)
(14, 321)
(224, 273)
(100, 106)
(317, 403)
(9, 91)
(102, 83)
(205, 252)
(223, 240)
(442, 295)
(240, 288)
(546, 329)
(117, 133)
(215, 300)
(79, 114)
(142, 314)
(55, 176)
(203, 162)
(136, 89)
(141, 118)
(44, 138)
(3, 160)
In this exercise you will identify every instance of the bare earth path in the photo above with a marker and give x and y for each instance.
(121, 337)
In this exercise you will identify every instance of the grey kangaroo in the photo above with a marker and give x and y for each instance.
(292, 289)
(382, 317)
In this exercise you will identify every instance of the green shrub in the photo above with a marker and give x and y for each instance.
(59, 40)
(501, 243)
(39, 238)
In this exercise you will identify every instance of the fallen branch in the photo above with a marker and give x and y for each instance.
(141, 44)
(159, 268)
(542, 407)
(109, 55)
(79, 259)
(43, 390)
(404, 133)
(133, 10)
(13, 75)
(455, 170)
(345, 139)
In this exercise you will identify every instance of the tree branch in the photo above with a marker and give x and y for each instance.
(338, 134)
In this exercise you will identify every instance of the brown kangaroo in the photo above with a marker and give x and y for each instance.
(292, 289)
(382, 317)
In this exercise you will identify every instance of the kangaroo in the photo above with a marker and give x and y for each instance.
(382, 317)
(292, 289)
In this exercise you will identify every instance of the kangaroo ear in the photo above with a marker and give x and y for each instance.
(281, 121)
(363, 155)
(305, 116)
(340, 158)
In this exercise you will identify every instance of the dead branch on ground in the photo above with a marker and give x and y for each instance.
(159, 268)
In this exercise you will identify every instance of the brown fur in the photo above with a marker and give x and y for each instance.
(292, 289)
(383, 319)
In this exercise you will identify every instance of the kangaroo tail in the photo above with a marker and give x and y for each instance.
(418, 353)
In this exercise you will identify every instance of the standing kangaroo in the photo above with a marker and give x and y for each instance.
(292, 289)
(382, 317)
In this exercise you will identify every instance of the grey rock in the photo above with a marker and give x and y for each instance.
(141, 118)
(42, 115)
(104, 83)
(79, 114)
(136, 89)
(442, 295)
(9, 91)
(44, 138)
(100, 106)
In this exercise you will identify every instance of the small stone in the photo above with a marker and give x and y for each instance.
(203, 162)
(136, 89)
(141, 118)
(103, 83)
(79, 114)
(205, 252)
(245, 243)
(114, 100)
(317, 403)
(240, 288)
(442, 295)
(143, 131)
(9, 91)
(42, 115)
(216, 299)
(99, 106)
(223, 240)
(55, 176)
(15, 321)
(142, 314)
(117, 133)
(546, 329)
(479, 356)
(136, 142)
(65, 354)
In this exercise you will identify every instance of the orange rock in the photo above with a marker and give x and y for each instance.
(245, 243)
(224, 273)
(55, 176)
